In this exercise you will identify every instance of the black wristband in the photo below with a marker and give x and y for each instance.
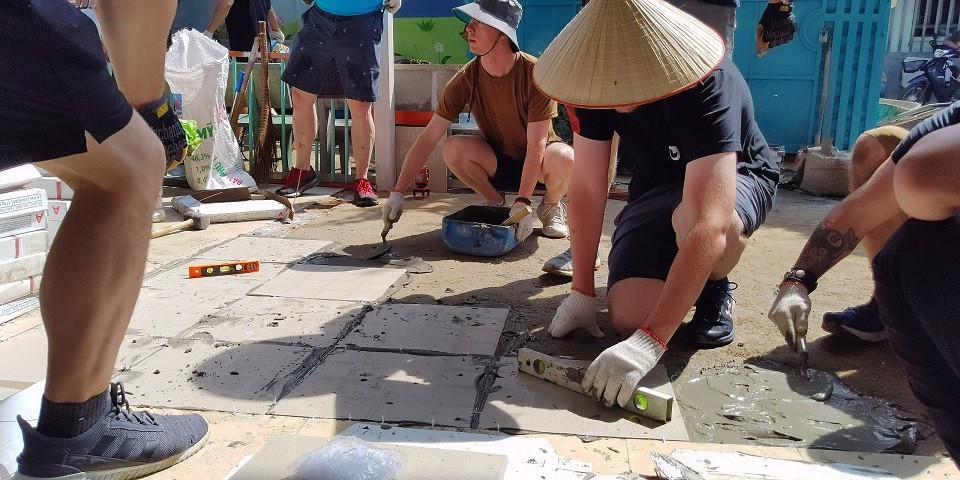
(807, 279)
(523, 200)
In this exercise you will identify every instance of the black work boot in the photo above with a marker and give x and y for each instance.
(712, 324)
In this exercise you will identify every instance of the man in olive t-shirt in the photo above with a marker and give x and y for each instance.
(517, 149)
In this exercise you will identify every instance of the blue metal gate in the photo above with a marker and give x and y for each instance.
(825, 83)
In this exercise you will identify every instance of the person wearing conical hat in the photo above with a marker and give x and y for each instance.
(704, 182)
(517, 149)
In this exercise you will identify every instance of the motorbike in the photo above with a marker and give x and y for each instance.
(939, 77)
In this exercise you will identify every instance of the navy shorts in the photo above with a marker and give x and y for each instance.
(336, 55)
(55, 87)
(509, 172)
(644, 243)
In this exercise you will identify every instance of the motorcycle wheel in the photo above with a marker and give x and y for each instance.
(915, 93)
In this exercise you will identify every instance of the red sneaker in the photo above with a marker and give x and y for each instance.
(298, 181)
(365, 196)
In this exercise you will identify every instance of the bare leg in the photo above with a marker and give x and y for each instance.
(868, 154)
(304, 126)
(95, 266)
(472, 160)
(135, 34)
(362, 133)
(557, 169)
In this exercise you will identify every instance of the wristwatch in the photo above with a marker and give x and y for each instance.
(805, 278)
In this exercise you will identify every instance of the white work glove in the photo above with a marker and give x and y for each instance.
(790, 310)
(615, 374)
(208, 33)
(525, 225)
(576, 311)
(392, 5)
(393, 208)
(277, 35)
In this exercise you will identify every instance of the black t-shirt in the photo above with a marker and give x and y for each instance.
(714, 116)
(243, 22)
(946, 117)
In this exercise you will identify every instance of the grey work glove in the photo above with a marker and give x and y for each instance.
(614, 375)
(393, 208)
(576, 311)
(392, 5)
(790, 310)
(525, 225)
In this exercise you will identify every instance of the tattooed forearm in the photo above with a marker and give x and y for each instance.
(825, 248)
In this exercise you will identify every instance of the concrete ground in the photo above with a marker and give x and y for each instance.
(516, 281)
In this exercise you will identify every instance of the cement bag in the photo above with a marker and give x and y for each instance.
(196, 70)
(826, 173)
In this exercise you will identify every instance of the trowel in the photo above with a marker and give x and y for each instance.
(384, 246)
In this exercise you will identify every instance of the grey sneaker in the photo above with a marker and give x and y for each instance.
(122, 445)
(553, 216)
(562, 264)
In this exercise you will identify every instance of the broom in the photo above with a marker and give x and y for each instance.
(262, 165)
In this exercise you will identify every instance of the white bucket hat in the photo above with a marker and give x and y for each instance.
(626, 52)
(504, 15)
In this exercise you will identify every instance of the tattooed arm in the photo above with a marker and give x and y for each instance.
(865, 209)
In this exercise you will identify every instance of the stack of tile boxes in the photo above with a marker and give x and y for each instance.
(24, 211)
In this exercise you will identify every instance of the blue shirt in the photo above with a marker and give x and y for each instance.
(349, 7)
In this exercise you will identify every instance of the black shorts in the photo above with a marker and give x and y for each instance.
(54, 83)
(644, 243)
(509, 172)
(336, 55)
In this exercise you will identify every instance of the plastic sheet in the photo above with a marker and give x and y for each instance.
(348, 458)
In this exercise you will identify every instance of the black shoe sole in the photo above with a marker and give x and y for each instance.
(365, 202)
(708, 343)
(297, 193)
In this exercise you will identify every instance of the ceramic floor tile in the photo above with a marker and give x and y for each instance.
(907, 467)
(448, 329)
(527, 403)
(264, 249)
(23, 358)
(20, 324)
(136, 348)
(195, 375)
(288, 320)
(169, 302)
(323, 282)
(387, 387)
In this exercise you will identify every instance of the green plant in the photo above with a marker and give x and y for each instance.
(426, 25)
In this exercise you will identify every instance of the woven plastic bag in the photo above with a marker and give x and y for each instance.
(196, 70)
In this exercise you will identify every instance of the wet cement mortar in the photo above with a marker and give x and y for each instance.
(767, 403)
(515, 281)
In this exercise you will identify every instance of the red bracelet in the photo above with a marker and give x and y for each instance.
(581, 292)
(654, 336)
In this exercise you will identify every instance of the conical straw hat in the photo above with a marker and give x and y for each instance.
(626, 52)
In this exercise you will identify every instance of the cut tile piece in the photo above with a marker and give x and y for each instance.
(264, 249)
(194, 375)
(438, 328)
(278, 458)
(24, 358)
(169, 302)
(532, 404)
(323, 282)
(906, 467)
(289, 320)
(387, 387)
